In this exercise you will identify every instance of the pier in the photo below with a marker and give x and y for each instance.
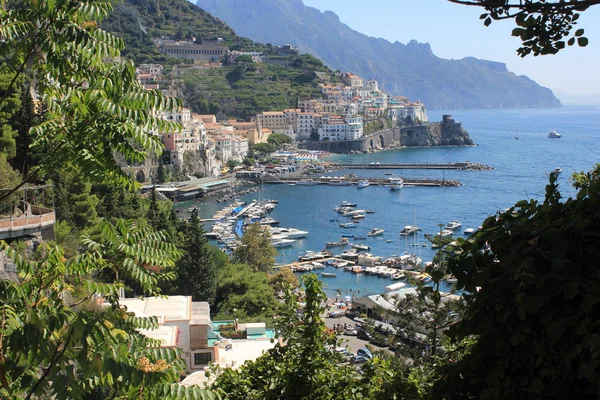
(353, 180)
(300, 263)
(468, 166)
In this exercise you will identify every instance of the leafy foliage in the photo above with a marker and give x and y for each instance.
(59, 341)
(256, 249)
(279, 140)
(95, 106)
(532, 284)
(543, 26)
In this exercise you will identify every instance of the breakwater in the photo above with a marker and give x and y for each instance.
(353, 180)
(465, 166)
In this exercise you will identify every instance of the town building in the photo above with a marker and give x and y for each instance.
(341, 128)
(207, 51)
(352, 80)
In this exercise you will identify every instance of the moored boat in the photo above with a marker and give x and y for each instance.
(361, 247)
(453, 225)
(409, 230)
(348, 225)
(363, 184)
(396, 183)
(342, 242)
(346, 203)
(554, 134)
(370, 211)
(329, 274)
(307, 182)
(468, 231)
(375, 232)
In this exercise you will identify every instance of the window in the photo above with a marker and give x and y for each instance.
(202, 358)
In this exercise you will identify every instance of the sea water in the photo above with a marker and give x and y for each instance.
(521, 169)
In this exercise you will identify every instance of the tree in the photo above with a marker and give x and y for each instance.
(264, 148)
(161, 173)
(278, 140)
(232, 164)
(243, 293)
(95, 106)
(256, 249)
(314, 135)
(8, 178)
(11, 93)
(196, 269)
(244, 59)
(531, 284)
(542, 25)
(60, 340)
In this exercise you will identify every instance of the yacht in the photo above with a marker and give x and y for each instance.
(557, 170)
(346, 203)
(468, 231)
(375, 232)
(282, 242)
(453, 225)
(362, 184)
(444, 233)
(554, 135)
(290, 233)
(396, 183)
(409, 230)
(348, 225)
(307, 182)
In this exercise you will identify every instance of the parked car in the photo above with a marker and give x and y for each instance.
(364, 335)
(350, 332)
(344, 352)
(364, 352)
(379, 341)
(336, 314)
(358, 360)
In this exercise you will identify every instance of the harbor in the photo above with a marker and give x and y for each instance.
(348, 180)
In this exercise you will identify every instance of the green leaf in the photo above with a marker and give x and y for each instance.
(582, 41)
(579, 32)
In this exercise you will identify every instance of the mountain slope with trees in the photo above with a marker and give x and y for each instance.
(410, 70)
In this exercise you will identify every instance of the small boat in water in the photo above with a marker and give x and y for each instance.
(342, 242)
(517, 137)
(409, 230)
(375, 232)
(554, 134)
(362, 184)
(348, 225)
(347, 203)
(396, 183)
(453, 225)
(360, 237)
(361, 247)
(329, 274)
(468, 231)
(282, 242)
(389, 241)
(557, 171)
(387, 173)
(370, 211)
(339, 182)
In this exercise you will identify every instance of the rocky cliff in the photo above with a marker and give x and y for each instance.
(446, 133)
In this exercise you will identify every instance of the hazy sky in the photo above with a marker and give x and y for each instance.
(455, 31)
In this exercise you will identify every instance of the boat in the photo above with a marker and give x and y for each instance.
(468, 231)
(269, 221)
(361, 247)
(517, 137)
(290, 233)
(329, 274)
(358, 216)
(409, 230)
(375, 232)
(370, 211)
(334, 220)
(348, 235)
(360, 237)
(317, 265)
(342, 242)
(387, 173)
(358, 269)
(346, 203)
(362, 184)
(396, 183)
(307, 182)
(282, 242)
(554, 135)
(389, 241)
(557, 170)
(348, 225)
(453, 225)
(398, 275)
(339, 182)
(444, 233)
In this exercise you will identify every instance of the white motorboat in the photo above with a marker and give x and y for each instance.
(362, 184)
(307, 182)
(468, 231)
(453, 225)
(289, 233)
(282, 242)
(444, 233)
(346, 203)
(329, 274)
(396, 183)
(409, 230)
(375, 232)
(361, 247)
(557, 170)
(554, 134)
(348, 225)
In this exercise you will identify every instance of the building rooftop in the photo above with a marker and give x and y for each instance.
(171, 308)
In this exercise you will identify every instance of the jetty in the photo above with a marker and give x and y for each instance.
(465, 166)
(301, 263)
(353, 180)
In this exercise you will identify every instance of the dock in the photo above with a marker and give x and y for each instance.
(299, 263)
(465, 166)
(353, 180)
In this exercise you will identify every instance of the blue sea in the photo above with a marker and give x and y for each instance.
(521, 169)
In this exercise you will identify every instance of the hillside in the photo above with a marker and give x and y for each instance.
(240, 90)
(411, 70)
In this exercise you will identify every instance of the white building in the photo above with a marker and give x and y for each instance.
(417, 112)
(348, 128)
(223, 148)
(239, 147)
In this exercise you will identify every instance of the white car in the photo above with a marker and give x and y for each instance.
(350, 332)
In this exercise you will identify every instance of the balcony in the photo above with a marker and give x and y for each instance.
(33, 221)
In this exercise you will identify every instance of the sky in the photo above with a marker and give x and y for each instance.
(455, 31)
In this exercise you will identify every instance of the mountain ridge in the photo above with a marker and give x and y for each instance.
(411, 69)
